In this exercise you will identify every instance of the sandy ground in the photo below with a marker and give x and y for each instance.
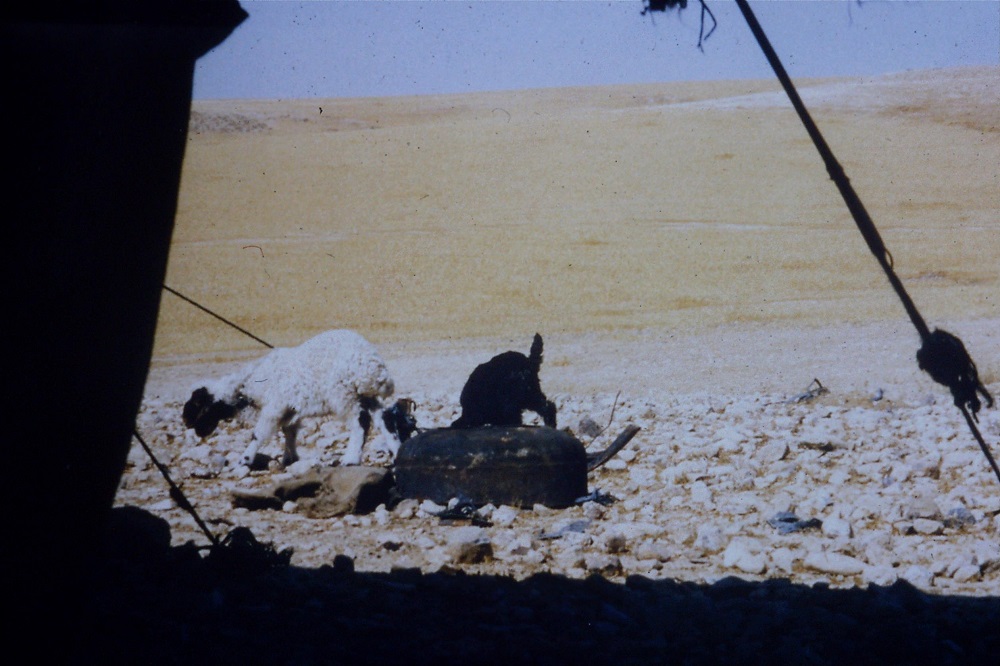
(692, 270)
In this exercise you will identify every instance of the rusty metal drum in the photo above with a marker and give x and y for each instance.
(519, 466)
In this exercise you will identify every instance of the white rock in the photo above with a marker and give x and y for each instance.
(959, 561)
(929, 466)
(927, 527)
(602, 563)
(635, 503)
(709, 539)
(987, 554)
(466, 534)
(966, 573)
(289, 507)
(593, 510)
(729, 439)
(381, 515)
(783, 559)
(469, 545)
(838, 477)
(519, 545)
(659, 551)
(918, 576)
(740, 504)
(771, 452)
(700, 493)
(504, 516)
(300, 467)
(200, 453)
(429, 508)
(644, 477)
(533, 557)
(614, 542)
(407, 508)
(628, 455)
(738, 556)
(163, 505)
(880, 575)
(922, 507)
(837, 528)
(834, 563)
(635, 531)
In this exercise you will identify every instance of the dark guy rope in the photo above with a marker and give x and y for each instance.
(217, 316)
(176, 493)
(942, 355)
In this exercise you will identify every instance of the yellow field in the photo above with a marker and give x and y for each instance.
(598, 210)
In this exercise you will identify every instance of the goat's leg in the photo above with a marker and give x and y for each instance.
(355, 441)
(267, 425)
(291, 431)
(544, 407)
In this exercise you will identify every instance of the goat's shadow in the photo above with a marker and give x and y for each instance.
(152, 604)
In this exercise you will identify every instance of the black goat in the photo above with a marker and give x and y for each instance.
(499, 390)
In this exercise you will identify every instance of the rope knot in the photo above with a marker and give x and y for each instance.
(944, 358)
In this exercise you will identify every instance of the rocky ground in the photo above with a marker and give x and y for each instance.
(798, 528)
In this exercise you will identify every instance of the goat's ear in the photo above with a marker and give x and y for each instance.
(200, 399)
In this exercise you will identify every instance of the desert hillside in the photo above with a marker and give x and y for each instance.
(627, 212)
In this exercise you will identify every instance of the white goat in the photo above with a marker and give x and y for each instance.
(337, 373)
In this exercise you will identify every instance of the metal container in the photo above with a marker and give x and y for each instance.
(518, 466)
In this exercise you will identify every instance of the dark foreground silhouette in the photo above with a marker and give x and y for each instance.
(156, 604)
(100, 96)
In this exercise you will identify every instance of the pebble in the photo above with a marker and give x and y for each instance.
(658, 551)
(198, 453)
(602, 563)
(700, 493)
(783, 559)
(469, 545)
(918, 576)
(406, 509)
(381, 515)
(615, 543)
(429, 508)
(504, 516)
(593, 510)
(928, 527)
(772, 452)
(966, 573)
(834, 563)
(738, 556)
(163, 505)
(880, 575)
(709, 539)
(837, 528)
(922, 507)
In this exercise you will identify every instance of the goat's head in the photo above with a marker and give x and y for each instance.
(203, 411)
(399, 419)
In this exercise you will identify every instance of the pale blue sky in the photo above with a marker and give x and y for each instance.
(362, 48)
